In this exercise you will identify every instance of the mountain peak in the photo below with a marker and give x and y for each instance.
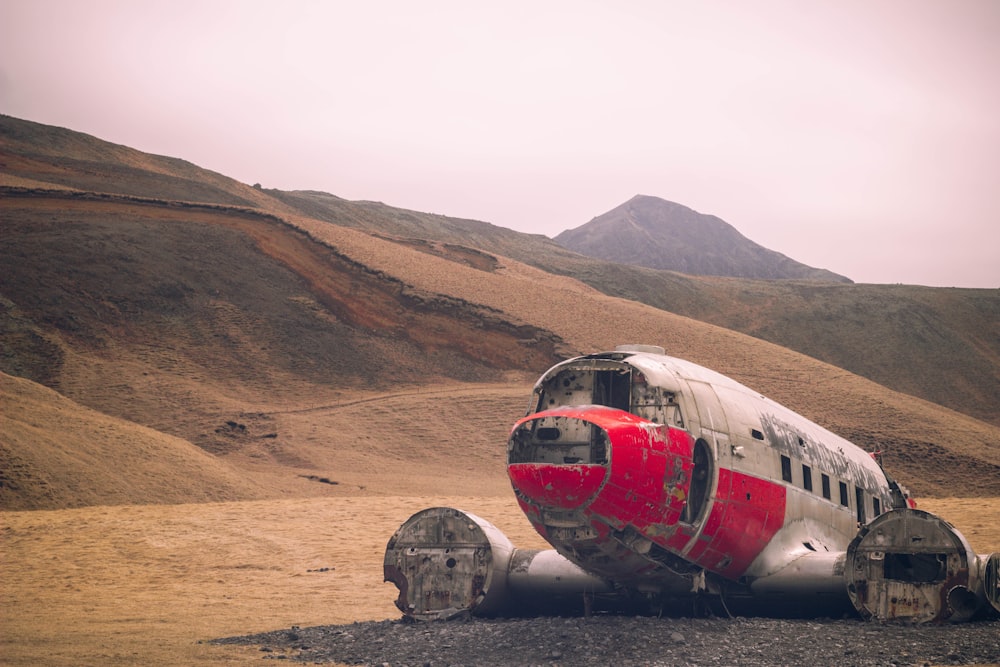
(660, 234)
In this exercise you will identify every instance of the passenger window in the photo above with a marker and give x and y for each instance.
(826, 485)
(877, 506)
(859, 499)
(807, 477)
(843, 495)
(786, 468)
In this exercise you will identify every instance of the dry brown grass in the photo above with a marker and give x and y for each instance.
(54, 452)
(145, 585)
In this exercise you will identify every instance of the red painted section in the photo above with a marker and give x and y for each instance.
(642, 492)
(747, 513)
(558, 486)
(643, 488)
(649, 481)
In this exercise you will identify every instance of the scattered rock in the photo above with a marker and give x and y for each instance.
(632, 640)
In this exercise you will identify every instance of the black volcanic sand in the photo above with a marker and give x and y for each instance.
(630, 640)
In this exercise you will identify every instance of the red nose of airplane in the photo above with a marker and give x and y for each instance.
(557, 459)
(557, 486)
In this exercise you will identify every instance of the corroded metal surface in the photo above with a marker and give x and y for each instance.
(445, 562)
(911, 565)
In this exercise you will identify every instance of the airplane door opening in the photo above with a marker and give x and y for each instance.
(701, 483)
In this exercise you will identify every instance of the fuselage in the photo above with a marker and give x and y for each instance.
(662, 486)
(654, 472)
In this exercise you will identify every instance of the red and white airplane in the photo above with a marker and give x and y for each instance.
(663, 484)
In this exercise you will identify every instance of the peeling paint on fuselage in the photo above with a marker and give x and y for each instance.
(657, 480)
(653, 408)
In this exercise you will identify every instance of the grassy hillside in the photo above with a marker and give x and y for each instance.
(34, 154)
(56, 453)
(312, 358)
(937, 344)
(940, 344)
(255, 339)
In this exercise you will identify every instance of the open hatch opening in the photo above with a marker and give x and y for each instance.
(917, 568)
(613, 389)
(701, 477)
(558, 441)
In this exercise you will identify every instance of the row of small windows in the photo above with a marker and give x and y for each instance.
(807, 484)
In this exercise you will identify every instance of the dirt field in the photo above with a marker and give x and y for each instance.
(144, 584)
(147, 584)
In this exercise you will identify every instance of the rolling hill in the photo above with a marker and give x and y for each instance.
(57, 453)
(938, 344)
(310, 352)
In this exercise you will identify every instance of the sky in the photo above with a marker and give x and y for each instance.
(859, 136)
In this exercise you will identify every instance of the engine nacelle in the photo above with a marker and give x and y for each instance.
(990, 567)
(446, 562)
(910, 565)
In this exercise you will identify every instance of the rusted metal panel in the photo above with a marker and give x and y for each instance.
(911, 565)
(445, 562)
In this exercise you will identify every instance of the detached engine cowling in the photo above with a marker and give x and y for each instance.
(446, 562)
(913, 566)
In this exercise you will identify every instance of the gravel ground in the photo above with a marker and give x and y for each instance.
(631, 640)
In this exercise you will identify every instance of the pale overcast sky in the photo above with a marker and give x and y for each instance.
(860, 136)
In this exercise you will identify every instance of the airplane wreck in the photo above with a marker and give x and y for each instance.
(665, 487)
